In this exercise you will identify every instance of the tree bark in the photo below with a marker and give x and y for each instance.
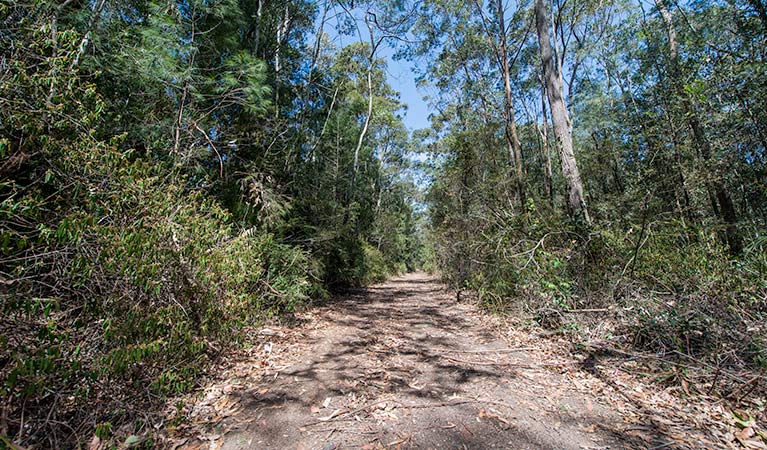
(98, 5)
(282, 31)
(721, 200)
(366, 124)
(576, 202)
(548, 176)
(180, 113)
(368, 116)
(512, 139)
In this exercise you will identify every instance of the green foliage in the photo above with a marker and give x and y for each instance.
(133, 283)
(164, 188)
(375, 266)
(243, 81)
(669, 142)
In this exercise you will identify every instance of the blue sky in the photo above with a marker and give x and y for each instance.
(400, 74)
(402, 78)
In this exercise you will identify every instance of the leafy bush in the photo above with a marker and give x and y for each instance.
(350, 262)
(119, 281)
(130, 286)
(376, 269)
(670, 288)
(696, 299)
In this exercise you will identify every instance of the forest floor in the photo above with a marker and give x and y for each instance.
(404, 365)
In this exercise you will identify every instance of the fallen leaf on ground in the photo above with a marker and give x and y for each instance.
(492, 415)
(333, 414)
(373, 446)
(95, 443)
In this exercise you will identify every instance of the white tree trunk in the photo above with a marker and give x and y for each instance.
(576, 202)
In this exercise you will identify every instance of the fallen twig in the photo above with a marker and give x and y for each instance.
(436, 405)
(605, 348)
(400, 441)
(500, 350)
(340, 413)
(493, 402)
(513, 365)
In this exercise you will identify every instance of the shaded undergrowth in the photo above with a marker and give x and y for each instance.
(663, 288)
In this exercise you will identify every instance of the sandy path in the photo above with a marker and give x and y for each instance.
(403, 365)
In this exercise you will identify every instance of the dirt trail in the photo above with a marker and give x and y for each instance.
(403, 365)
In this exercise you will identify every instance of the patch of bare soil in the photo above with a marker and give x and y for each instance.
(403, 365)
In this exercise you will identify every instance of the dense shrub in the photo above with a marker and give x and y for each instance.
(129, 282)
(119, 281)
(692, 297)
(352, 262)
(376, 269)
(163, 186)
(668, 288)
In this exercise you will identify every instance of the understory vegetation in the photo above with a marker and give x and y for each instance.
(174, 173)
(665, 110)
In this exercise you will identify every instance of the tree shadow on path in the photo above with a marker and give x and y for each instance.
(402, 365)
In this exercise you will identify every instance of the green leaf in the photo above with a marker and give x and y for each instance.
(743, 419)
